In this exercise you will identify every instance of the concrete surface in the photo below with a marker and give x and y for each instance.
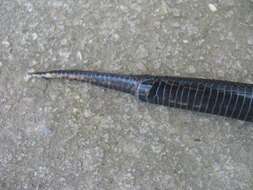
(67, 135)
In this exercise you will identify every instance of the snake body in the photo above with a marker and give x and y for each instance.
(224, 98)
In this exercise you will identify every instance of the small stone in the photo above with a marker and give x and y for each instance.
(192, 69)
(29, 7)
(6, 43)
(1, 64)
(34, 62)
(164, 8)
(116, 37)
(250, 40)
(123, 8)
(75, 110)
(34, 36)
(212, 7)
(87, 113)
(79, 55)
(64, 41)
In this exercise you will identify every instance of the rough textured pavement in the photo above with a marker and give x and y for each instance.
(67, 135)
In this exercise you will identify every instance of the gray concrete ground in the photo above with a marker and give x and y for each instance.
(67, 135)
